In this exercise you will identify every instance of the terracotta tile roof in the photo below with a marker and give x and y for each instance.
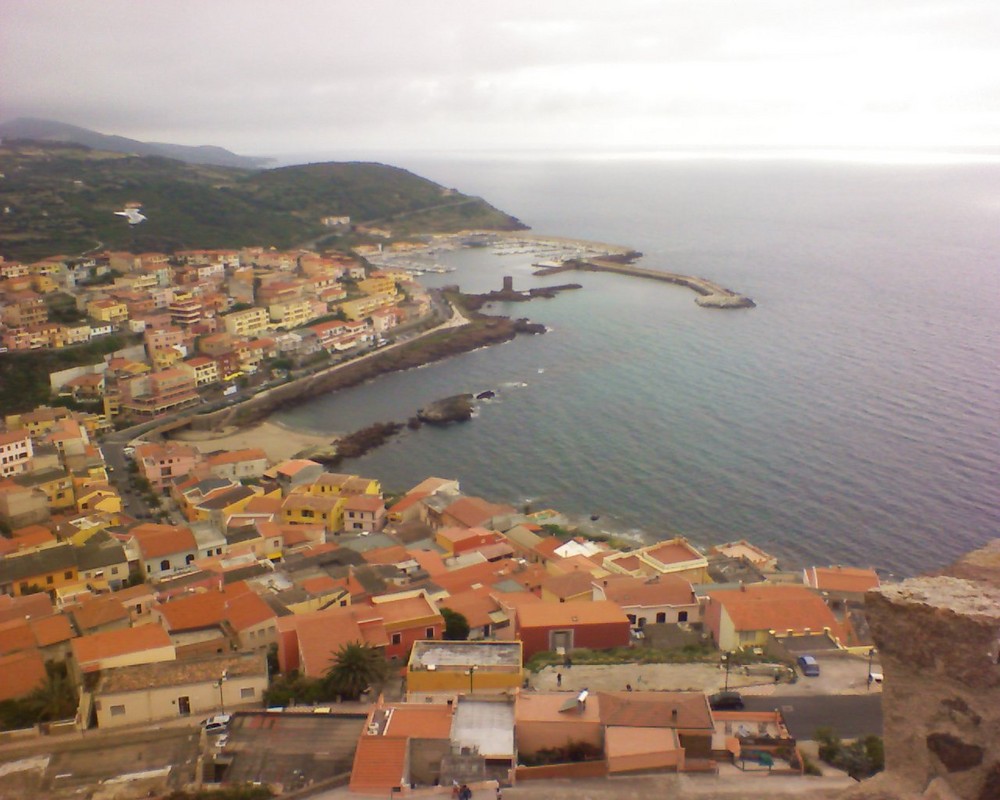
(665, 590)
(379, 764)
(263, 505)
(156, 541)
(842, 579)
(236, 456)
(16, 636)
(580, 612)
(321, 634)
(485, 573)
(475, 605)
(108, 644)
(547, 707)
(52, 630)
(780, 608)
(386, 555)
(630, 563)
(571, 584)
(99, 611)
(655, 710)
(193, 611)
(407, 502)
(22, 674)
(397, 613)
(429, 560)
(364, 502)
(29, 605)
(247, 610)
(473, 511)
(548, 546)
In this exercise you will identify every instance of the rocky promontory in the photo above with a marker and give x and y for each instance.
(457, 408)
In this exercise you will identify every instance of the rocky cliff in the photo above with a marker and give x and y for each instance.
(939, 641)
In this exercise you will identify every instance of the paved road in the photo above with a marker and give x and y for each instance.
(850, 716)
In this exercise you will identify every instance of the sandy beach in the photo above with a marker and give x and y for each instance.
(278, 441)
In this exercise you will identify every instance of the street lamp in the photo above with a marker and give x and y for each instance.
(222, 679)
(472, 671)
(725, 660)
(870, 654)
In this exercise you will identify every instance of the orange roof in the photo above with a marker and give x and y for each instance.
(108, 644)
(22, 674)
(548, 707)
(673, 553)
(408, 501)
(379, 764)
(398, 612)
(321, 584)
(393, 554)
(364, 502)
(247, 610)
(429, 560)
(235, 456)
(322, 633)
(571, 584)
(29, 605)
(473, 511)
(99, 611)
(457, 580)
(189, 612)
(475, 605)
(779, 608)
(263, 505)
(665, 590)
(620, 742)
(655, 709)
(579, 612)
(424, 720)
(842, 579)
(52, 630)
(16, 635)
(156, 541)
(548, 546)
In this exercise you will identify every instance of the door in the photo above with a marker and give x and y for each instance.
(184, 706)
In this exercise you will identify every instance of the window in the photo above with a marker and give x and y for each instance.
(117, 711)
(682, 616)
(165, 564)
(247, 694)
(114, 570)
(397, 638)
(48, 579)
(661, 616)
(68, 575)
(429, 633)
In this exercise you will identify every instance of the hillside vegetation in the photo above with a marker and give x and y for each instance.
(59, 198)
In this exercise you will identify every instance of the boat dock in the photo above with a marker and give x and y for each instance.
(710, 293)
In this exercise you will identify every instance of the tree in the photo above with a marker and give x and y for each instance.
(456, 626)
(55, 698)
(355, 668)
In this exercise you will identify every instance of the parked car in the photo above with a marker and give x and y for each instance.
(726, 701)
(217, 724)
(809, 666)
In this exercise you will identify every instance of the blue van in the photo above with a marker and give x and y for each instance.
(809, 666)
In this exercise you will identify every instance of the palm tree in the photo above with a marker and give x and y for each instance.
(356, 666)
(54, 698)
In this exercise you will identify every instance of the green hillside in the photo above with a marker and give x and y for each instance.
(60, 198)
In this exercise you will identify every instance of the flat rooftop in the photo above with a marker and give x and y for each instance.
(464, 654)
(486, 725)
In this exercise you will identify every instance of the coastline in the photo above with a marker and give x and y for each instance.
(280, 442)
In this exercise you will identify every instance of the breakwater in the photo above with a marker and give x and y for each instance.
(710, 293)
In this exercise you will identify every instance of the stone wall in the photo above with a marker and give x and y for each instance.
(939, 641)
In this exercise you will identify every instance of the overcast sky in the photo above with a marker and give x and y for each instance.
(380, 76)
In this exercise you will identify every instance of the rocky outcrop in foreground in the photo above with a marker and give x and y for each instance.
(939, 641)
(457, 408)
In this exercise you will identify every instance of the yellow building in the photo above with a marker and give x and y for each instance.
(362, 307)
(106, 310)
(291, 313)
(55, 484)
(249, 322)
(441, 667)
(305, 509)
(46, 569)
(378, 285)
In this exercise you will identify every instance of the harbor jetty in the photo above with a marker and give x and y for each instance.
(710, 293)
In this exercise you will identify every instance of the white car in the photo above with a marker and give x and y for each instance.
(217, 724)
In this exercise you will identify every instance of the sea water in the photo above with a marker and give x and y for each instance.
(852, 417)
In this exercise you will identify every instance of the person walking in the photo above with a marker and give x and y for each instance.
(559, 680)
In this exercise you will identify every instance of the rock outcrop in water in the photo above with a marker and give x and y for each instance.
(939, 641)
(457, 408)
